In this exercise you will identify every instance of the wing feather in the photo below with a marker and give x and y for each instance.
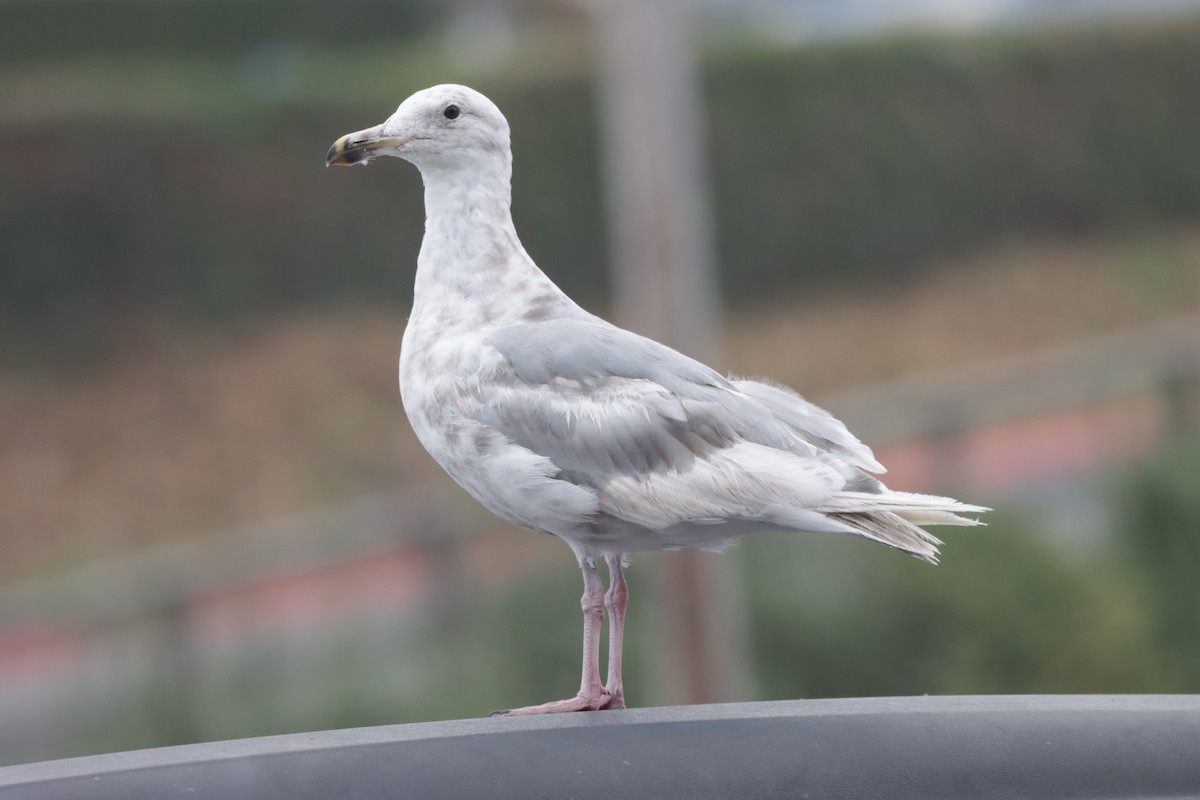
(601, 402)
(666, 442)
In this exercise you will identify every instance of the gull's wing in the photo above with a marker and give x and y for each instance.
(599, 400)
(672, 448)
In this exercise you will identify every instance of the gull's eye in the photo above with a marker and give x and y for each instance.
(451, 112)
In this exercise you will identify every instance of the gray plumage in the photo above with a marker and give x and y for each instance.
(563, 423)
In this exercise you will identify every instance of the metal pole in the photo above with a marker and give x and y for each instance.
(665, 288)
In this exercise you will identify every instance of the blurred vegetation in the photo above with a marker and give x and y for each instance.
(1159, 516)
(38, 30)
(838, 163)
(1007, 614)
(871, 159)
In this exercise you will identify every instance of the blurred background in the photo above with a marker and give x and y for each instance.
(971, 229)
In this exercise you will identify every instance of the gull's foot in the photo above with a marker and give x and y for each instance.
(577, 703)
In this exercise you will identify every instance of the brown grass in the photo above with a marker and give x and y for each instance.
(1014, 299)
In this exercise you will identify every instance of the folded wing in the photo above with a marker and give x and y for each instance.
(665, 440)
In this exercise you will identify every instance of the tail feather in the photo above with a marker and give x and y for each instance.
(910, 505)
(892, 518)
(940, 517)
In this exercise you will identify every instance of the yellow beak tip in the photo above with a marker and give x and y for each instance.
(335, 152)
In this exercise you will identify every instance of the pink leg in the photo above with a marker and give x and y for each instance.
(591, 695)
(615, 600)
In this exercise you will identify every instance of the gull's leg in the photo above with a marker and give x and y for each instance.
(591, 692)
(615, 600)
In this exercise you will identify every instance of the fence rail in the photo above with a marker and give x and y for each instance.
(1163, 359)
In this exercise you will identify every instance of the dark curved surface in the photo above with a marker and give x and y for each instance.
(921, 747)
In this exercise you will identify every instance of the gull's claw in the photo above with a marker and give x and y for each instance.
(612, 702)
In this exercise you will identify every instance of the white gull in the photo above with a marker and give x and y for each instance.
(562, 423)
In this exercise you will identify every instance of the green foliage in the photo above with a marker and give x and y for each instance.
(831, 164)
(1004, 613)
(33, 30)
(1159, 527)
(862, 162)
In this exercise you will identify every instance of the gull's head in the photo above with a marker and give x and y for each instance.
(443, 126)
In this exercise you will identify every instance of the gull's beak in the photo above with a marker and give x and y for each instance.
(361, 147)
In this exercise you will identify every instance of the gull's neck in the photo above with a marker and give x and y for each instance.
(468, 208)
(471, 250)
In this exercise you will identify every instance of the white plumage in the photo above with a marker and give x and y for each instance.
(562, 423)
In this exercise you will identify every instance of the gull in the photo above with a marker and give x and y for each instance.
(562, 423)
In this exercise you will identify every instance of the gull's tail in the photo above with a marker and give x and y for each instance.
(893, 518)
